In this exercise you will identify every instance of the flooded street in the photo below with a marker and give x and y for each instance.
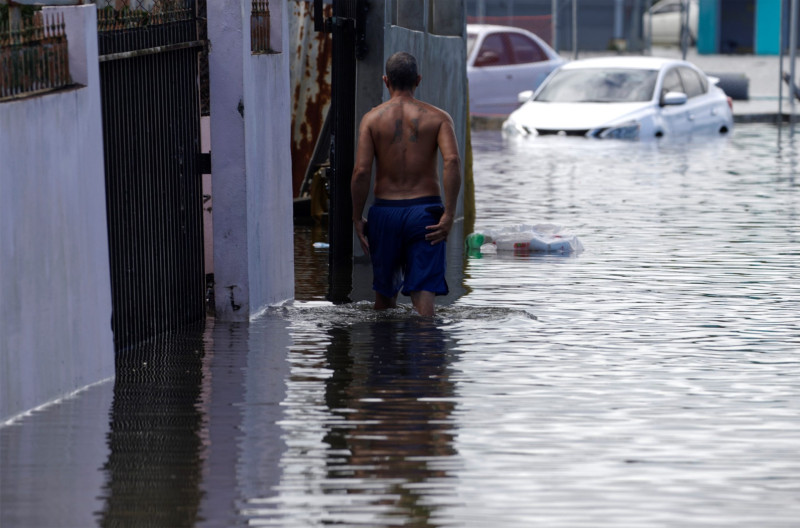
(652, 380)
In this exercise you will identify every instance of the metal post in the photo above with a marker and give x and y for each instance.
(780, 68)
(340, 226)
(634, 38)
(575, 29)
(793, 55)
(649, 42)
(684, 28)
(554, 24)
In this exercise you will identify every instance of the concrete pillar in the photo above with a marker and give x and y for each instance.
(250, 161)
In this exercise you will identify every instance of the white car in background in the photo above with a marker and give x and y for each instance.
(624, 98)
(667, 22)
(503, 61)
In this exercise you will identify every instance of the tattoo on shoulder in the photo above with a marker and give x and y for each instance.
(382, 109)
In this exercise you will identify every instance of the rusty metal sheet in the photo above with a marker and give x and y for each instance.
(310, 84)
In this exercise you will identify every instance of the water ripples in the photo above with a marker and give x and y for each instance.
(650, 380)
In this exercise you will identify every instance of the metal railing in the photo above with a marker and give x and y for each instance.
(129, 28)
(113, 15)
(259, 27)
(34, 55)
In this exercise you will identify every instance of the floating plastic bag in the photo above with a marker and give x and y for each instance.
(525, 238)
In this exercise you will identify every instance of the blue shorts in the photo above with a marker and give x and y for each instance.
(401, 257)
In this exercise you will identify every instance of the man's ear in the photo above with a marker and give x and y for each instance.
(386, 82)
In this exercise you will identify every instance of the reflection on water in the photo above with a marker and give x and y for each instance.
(368, 424)
(154, 466)
(311, 264)
(650, 381)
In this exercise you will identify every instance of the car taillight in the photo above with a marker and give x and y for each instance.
(730, 103)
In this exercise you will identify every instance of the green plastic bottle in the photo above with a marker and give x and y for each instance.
(475, 240)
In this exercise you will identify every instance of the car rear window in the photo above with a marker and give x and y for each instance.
(694, 84)
(525, 50)
(599, 85)
(493, 52)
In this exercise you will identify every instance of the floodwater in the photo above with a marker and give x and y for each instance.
(653, 380)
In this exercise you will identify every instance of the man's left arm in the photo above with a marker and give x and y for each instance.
(451, 178)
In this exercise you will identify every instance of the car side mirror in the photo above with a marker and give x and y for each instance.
(524, 96)
(487, 58)
(674, 99)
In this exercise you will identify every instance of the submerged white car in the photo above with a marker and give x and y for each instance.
(502, 61)
(623, 98)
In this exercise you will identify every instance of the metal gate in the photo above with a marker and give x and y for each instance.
(151, 125)
(347, 28)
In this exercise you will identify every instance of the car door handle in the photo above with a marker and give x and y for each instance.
(691, 117)
(509, 76)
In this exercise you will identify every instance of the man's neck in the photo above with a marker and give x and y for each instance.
(401, 94)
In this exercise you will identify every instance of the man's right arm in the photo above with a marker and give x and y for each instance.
(362, 175)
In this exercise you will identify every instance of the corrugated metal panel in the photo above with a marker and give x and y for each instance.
(310, 83)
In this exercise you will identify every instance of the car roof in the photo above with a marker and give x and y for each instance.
(483, 28)
(636, 62)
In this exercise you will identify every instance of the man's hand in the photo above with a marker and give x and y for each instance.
(438, 233)
(360, 224)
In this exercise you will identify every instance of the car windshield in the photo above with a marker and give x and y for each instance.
(599, 85)
(471, 38)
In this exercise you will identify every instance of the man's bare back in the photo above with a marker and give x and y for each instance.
(404, 133)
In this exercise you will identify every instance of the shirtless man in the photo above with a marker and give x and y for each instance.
(408, 224)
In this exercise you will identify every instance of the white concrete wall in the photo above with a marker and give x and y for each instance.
(208, 226)
(228, 175)
(55, 286)
(268, 129)
(250, 162)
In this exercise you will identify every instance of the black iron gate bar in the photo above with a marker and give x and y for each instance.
(151, 113)
(151, 51)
